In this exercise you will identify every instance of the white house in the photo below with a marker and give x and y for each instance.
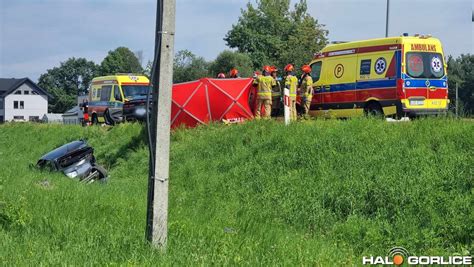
(22, 99)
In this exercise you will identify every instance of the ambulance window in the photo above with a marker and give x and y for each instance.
(415, 66)
(105, 93)
(95, 93)
(316, 71)
(117, 95)
(437, 66)
(365, 66)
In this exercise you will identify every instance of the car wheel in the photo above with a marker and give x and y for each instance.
(97, 173)
(374, 110)
(108, 118)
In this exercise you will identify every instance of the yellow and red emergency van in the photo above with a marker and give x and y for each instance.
(395, 76)
(118, 97)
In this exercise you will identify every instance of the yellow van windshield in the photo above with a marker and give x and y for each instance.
(131, 91)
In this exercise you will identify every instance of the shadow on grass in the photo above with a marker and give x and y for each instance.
(126, 148)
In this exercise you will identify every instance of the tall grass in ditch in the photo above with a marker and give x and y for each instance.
(317, 192)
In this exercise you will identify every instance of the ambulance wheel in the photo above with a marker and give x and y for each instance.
(95, 120)
(374, 109)
(108, 118)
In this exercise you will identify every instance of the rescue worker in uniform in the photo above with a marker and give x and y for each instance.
(291, 83)
(306, 90)
(264, 83)
(221, 76)
(234, 73)
(276, 93)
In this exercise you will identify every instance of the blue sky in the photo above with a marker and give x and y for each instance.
(36, 35)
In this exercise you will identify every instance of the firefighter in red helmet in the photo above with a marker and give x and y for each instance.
(276, 93)
(291, 83)
(306, 90)
(234, 73)
(265, 84)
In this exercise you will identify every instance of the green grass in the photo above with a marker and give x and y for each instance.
(314, 193)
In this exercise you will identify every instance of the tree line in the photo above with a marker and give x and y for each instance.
(269, 32)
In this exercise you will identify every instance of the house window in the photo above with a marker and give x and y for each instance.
(1, 119)
(1, 103)
(26, 92)
(18, 92)
(18, 117)
(18, 105)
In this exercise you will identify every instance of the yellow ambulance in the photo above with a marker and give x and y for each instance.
(118, 97)
(395, 76)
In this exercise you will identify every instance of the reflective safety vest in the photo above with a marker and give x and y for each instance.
(291, 82)
(265, 85)
(307, 88)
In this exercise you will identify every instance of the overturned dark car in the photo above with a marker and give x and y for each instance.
(76, 160)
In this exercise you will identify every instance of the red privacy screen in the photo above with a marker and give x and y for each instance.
(200, 102)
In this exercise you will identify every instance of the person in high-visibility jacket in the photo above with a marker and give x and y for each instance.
(306, 90)
(264, 83)
(291, 83)
(276, 93)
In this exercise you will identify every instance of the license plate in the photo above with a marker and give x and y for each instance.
(417, 102)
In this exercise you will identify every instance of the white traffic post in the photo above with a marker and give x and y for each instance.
(287, 103)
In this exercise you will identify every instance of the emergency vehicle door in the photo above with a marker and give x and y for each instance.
(318, 82)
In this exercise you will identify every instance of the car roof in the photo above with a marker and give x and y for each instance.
(64, 150)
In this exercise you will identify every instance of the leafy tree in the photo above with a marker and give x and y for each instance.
(120, 60)
(189, 67)
(461, 71)
(272, 33)
(227, 60)
(66, 81)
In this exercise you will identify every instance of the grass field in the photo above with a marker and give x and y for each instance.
(314, 193)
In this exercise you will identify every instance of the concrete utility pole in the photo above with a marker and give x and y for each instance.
(157, 213)
(387, 18)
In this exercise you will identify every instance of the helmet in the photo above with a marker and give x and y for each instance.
(274, 69)
(267, 68)
(306, 69)
(234, 72)
(221, 75)
(289, 68)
